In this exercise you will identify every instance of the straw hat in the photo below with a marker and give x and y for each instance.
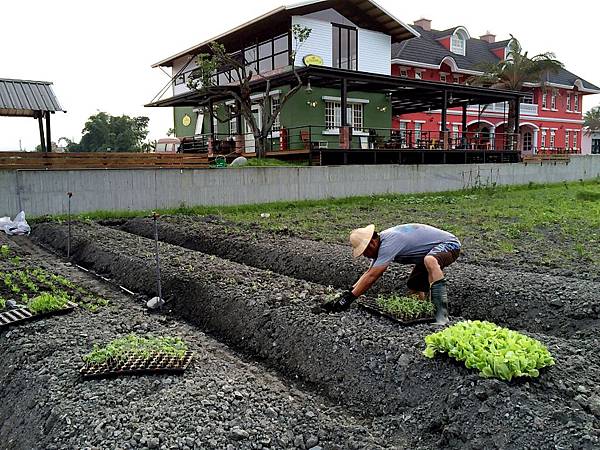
(360, 238)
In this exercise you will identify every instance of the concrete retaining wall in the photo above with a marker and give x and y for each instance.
(44, 192)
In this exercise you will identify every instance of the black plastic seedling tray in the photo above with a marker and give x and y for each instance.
(20, 315)
(134, 365)
(371, 305)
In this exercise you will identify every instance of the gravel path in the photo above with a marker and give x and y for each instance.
(355, 358)
(223, 401)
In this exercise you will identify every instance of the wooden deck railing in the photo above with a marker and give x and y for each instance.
(94, 160)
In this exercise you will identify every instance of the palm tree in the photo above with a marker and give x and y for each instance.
(591, 120)
(516, 70)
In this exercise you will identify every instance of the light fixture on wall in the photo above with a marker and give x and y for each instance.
(308, 87)
(312, 103)
(382, 108)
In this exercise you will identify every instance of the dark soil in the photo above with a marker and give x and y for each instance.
(361, 360)
(550, 304)
(223, 401)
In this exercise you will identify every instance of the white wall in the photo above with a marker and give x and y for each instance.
(177, 65)
(586, 141)
(43, 192)
(374, 48)
(319, 43)
(374, 52)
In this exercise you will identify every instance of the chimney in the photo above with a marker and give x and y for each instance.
(423, 23)
(488, 37)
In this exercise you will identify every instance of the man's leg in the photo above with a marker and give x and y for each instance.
(439, 257)
(418, 281)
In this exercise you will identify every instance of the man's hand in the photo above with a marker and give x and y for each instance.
(341, 303)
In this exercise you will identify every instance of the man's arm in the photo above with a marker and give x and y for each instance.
(368, 279)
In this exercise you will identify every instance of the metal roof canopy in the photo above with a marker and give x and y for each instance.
(364, 13)
(407, 95)
(26, 98)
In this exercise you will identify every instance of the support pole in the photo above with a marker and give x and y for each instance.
(69, 194)
(41, 126)
(464, 127)
(444, 111)
(48, 133)
(344, 102)
(443, 128)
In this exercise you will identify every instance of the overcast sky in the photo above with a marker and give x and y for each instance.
(98, 53)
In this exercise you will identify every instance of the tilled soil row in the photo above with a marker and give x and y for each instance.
(355, 358)
(222, 401)
(543, 303)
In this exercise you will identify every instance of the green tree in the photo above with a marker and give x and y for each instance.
(516, 70)
(203, 80)
(591, 119)
(103, 132)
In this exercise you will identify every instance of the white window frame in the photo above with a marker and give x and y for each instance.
(553, 101)
(233, 126)
(543, 143)
(544, 100)
(404, 73)
(418, 74)
(568, 102)
(418, 130)
(567, 139)
(333, 117)
(575, 139)
(552, 139)
(458, 44)
(456, 79)
(576, 103)
(443, 77)
(277, 123)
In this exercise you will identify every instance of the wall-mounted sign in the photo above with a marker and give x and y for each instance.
(313, 60)
(186, 120)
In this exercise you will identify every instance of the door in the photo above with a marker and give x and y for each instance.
(250, 143)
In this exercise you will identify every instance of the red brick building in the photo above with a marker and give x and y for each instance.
(550, 115)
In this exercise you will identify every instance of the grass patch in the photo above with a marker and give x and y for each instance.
(46, 302)
(495, 351)
(406, 308)
(133, 345)
(270, 162)
(590, 196)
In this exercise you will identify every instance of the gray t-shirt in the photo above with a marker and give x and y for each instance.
(410, 243)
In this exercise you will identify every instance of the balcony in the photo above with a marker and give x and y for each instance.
(527, 109)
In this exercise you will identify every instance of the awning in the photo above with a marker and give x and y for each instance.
(27, 98)
(406, 95)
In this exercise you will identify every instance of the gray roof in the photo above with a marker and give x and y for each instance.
(26, 98)
(426, 49)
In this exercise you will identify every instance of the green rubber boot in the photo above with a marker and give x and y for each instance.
(439, 297)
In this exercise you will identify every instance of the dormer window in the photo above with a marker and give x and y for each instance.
(458, 42)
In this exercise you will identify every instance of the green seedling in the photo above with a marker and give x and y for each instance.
(4, 251)
(47, 302)
(133, 345)
(407, 308)
(495, 351)
(2, 303)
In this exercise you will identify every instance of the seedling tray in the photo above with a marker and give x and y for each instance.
(20, 315)
(371, 305)
(157, 363)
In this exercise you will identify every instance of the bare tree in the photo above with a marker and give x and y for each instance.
(204, 79)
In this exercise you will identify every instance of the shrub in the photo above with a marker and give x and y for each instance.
(133, 345)
(408, 308)
(494, 351)
(2, 303)
(47, 302)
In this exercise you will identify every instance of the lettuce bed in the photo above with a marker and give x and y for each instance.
(495, 351)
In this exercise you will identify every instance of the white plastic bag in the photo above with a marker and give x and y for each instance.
(19, 226)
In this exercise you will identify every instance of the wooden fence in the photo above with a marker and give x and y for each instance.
(93, 160)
